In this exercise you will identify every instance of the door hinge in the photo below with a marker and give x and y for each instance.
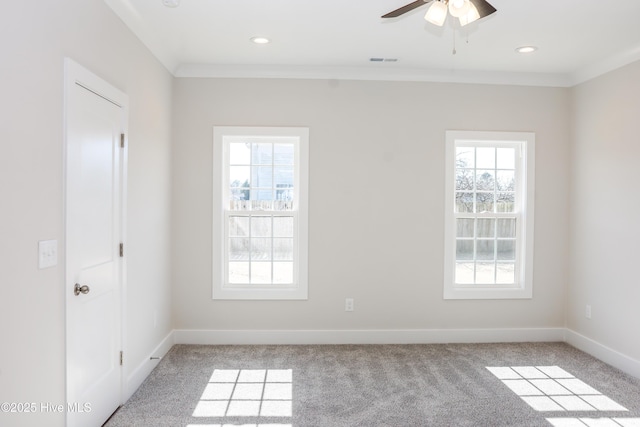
(122, 140)
(121, 250)
(121, 358)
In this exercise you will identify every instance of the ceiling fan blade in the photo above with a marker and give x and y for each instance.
(484, 8)
(407, 8)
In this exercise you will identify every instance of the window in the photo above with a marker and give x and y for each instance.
(489, 215)
(260, 191)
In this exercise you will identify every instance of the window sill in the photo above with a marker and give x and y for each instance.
(487, 293)
(260, 294)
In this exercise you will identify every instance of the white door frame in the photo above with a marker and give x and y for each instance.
(75, 74)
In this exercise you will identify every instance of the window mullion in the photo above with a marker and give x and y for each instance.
(227, 244)
(495, 210)
(475, 249)
(250, 244)
(495, 247)
(272, 248)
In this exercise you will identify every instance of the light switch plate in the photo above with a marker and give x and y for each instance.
(47, 253)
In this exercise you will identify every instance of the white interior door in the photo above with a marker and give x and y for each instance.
(95, 121)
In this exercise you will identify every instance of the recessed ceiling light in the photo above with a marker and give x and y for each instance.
(526, 49)
(260, 40)
(171, 3)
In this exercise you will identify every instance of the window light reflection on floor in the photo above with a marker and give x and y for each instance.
(247, 393)
(239, 425)
(594, 422)
(551, 388)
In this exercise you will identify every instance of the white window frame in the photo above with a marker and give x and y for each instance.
(222, 290)
(525, 191)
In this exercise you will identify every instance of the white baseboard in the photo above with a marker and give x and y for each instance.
(142, 371)
(409, 336)
(608, 355)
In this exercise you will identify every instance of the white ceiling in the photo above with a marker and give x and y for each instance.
(335, 39)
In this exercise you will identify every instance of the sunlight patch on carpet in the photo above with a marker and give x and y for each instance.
(239, 425)
(551, 388)
(247, 393)
(594, 422)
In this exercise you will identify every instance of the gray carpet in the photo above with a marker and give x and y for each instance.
(376, 385)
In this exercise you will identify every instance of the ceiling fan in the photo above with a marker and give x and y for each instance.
(466, 11)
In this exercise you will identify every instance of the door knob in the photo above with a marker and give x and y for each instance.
(77, 290)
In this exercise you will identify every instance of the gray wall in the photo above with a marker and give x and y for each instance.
(35, 36)
(376, 200)
(605, 202)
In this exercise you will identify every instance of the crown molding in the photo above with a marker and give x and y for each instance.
(372, 73)
(605, 66)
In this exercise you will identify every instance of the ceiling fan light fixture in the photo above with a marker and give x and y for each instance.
(437, 13)
(472, 15)
(458, 8)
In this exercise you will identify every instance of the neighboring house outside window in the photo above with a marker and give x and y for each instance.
(489, 207)
(260, 213)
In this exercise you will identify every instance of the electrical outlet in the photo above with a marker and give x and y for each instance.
(348, 304)
(587, 311)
